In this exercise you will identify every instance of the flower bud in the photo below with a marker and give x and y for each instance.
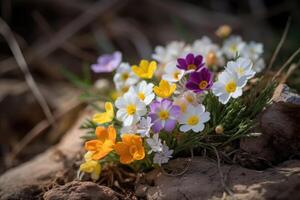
(223, 31)
(211, 59)
(219, 129)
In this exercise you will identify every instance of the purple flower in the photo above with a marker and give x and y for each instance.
(163, 115)
(200, 80)
(190, 62)
(107, 62)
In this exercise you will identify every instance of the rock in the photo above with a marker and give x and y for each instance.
(280, 137)
(29, 180)
(280, 128)
(283, 93)
(81, 190)
(202, 181)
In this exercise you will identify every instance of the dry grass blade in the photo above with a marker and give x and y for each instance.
(283, 37)
(289, 72)
(291, 58)
(12, 42)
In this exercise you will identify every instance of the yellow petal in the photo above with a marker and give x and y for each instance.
(88, 155)
(123, 151)
(109, 108)
(112, 133)
(101, 133)
(92, 145)
(106, 116)
(92, 167)
(144, 65)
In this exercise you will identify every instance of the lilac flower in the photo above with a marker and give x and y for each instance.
(190, 62)
(163, 115)
(107, 62)
(200, 80)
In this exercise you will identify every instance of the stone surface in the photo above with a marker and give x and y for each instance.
(81, 191)
(29, 180)
(280, 139)
(202, 181)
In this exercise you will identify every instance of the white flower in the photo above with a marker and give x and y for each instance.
(163, 156)
(172, 72)
(154, 143)
(211, 52)
(124, 77)
(228, 85)
(143, 91)
(233, 46)
(194, 118)
(130, 108)
(253, 50)
(259, 65)
(242, 66)
(144, 127)
(169, 53)
(129, 129)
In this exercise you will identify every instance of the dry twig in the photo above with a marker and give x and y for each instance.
(283, 37)
(42, 50)
(39, 129)
(12, 42)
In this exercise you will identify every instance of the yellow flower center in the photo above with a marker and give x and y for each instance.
(203, 85)
(233, 48)
(176, 75)
(141, 96)
(211, 58)
(191, 66)
(125, 76)
(189, 98)
(163, 115)
(240, 71)
(230, 87)
(125, 89)
(193, 120)
(131, 109)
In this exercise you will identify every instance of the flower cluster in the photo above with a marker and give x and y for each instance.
(160, 100)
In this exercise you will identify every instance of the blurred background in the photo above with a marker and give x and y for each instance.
(61, 38)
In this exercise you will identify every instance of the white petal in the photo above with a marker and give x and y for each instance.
(238, 92)
(205, 117)
(224, 98)
(185, 128)
(128, 120)
(199, 127)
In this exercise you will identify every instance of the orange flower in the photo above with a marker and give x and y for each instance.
(130, 149)
(106, 138)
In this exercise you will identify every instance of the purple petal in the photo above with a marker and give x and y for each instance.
(190, 58)
(181, 63)
(153, 117)
(170, 125)
(192, 86)
(157, 126)
(166, 104)
(195, 77)
(154, 106)
(198, 60)
(175, 112)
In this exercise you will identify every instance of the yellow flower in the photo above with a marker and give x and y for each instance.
(145, 69)
(106, 116)
(223, 31)
(164, 90)
(103, 145)
(91, 166)
(130, 149)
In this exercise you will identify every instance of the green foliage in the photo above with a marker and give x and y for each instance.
(84, 82)
(90, 126)
(238, 118)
